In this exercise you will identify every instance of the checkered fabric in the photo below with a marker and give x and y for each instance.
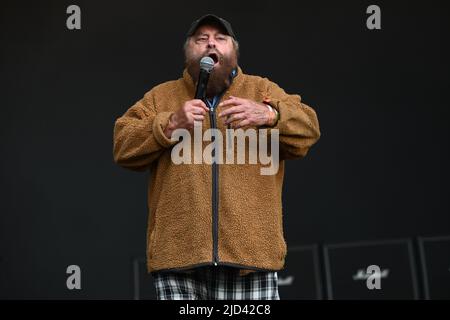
(216, 283)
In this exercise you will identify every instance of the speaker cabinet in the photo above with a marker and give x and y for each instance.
(143, 287)
(435, 262)
(371, 270)
(301, 277)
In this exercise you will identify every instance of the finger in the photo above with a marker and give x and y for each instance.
(233, 98)
(198, 110)
(237, 99)
(228, 102)
(231, 110)
(241, 124)
(198, 117)
(234, 117)
(199, 103)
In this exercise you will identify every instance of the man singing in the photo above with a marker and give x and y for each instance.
(215, 228)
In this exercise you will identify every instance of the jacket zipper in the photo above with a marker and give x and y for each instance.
(215, 178)
(215, 190)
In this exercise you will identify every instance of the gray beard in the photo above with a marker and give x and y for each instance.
(219, 79)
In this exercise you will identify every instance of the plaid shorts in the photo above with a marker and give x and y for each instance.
(216, 283)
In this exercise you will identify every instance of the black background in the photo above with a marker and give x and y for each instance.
(379, 171)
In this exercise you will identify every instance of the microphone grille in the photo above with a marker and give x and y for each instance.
(207, 64)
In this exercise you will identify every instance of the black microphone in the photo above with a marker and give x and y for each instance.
(206, 66)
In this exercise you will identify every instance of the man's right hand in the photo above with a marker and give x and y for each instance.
(192, 110)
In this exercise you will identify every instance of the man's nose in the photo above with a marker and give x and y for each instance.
(211, 43)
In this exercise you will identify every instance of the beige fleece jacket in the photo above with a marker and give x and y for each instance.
(204, 214)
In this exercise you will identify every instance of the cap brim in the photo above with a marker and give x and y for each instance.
(211, 19)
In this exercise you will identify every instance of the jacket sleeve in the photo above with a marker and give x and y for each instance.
(138, 135)
(298, 124)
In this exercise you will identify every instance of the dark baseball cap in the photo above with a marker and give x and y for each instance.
(213, 19)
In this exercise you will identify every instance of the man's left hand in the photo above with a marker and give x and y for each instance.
(239, 112)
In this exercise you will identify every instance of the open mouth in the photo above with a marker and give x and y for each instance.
(214, 56)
